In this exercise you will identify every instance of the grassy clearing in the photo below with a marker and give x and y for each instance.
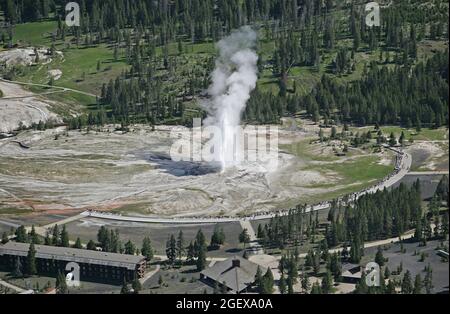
(35, 34)
(304, 150)
(363, 169)
(425, 134)
(355, 175)
(79, 68)
(358, 172)
(318, 152)
(79, 65)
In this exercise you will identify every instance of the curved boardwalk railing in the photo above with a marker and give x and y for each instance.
(402, 167)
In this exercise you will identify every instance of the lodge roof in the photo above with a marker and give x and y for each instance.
(73, 255)
(237, 273)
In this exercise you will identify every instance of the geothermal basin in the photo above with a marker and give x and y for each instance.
(133, 173)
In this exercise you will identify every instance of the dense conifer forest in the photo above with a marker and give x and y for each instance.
(398, 85)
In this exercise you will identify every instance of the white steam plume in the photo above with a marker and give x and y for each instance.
(234, 78)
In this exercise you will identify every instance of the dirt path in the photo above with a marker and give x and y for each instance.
(62, 89)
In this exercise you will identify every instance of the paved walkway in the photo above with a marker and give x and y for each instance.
(427, 173)
(164, 258)
(255, 247)
(11, 287)
(150, 275)
(42, 231)
(9, 224)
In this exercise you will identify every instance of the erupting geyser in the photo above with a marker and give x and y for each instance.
(233, 79)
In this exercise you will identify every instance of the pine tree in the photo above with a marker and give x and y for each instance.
(201, 260)
(407, 287)
(130, 248)
(390, 289)
(33, 236)
(190, 253)
(267, 287)
(64, 237)
(379, 258)
(387, 273)
(5, 238)
(91, 246)
(31, 268)
(147, 249)
(180, 246)
(171, 249)
(392, 140)
(55, 236)
(428, 280)
(244, 237)
(17, 273)
(47, 239)
(21, 235)
(305, 282)
(316, 289)
(361, 287)
(125, 288)
(136, 285)
(61, 284)
(259, 279)
(327, 283)
(218, 237)
(78, 244)
(282, 285)
(355, 251)
(418, 285)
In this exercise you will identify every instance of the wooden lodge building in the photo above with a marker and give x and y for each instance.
(236, 274)
(94, 265)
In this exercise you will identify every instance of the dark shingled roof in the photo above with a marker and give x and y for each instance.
(351, 271)
(237, 278)
(73, 255)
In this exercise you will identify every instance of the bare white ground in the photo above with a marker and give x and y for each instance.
(25, 56)
(134, 172)
(19, 106)
(56, 74)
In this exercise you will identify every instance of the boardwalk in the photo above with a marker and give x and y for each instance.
(402, 169)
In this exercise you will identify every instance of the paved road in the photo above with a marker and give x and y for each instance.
(367, 245)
